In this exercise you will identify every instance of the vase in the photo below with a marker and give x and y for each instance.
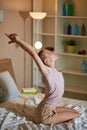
(70, 49)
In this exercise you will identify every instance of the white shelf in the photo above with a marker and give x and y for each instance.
(77, 36)
(73, 72)
(72, 17)
(72, 54)
(47, 34)
(75, 90)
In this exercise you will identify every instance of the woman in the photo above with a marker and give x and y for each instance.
(47, 111)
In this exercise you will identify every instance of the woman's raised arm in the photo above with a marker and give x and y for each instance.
(29, 49)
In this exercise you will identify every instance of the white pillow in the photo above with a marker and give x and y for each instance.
(8, 88)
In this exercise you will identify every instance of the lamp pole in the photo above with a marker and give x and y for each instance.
(38, 45)
(24, 15)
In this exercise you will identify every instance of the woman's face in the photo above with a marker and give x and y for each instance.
(51, 55)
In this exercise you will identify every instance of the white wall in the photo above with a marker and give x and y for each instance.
(13, 22)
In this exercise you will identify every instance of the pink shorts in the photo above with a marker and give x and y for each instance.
(45, 114)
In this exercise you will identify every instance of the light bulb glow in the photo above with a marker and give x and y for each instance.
(38, 45)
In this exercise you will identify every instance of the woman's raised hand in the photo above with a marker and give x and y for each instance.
(12, 37)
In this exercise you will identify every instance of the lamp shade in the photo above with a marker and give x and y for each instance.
(17, 5)
(38, 15)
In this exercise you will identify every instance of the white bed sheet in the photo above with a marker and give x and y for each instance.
(18, 114)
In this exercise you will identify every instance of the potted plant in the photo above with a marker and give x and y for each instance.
(70, 45)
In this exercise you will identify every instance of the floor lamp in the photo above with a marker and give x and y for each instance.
(38, 45)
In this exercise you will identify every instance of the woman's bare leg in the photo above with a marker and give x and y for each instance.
(65, 116)
(61, 109)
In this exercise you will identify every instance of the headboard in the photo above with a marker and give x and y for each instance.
(6, 65)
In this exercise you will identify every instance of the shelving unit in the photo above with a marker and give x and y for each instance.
(53, 33)
(70, 64)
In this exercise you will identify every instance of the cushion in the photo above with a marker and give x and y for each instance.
(8, 88)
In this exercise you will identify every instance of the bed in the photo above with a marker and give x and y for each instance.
(17, 112)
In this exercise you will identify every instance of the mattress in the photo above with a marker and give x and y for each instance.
(18, 113)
